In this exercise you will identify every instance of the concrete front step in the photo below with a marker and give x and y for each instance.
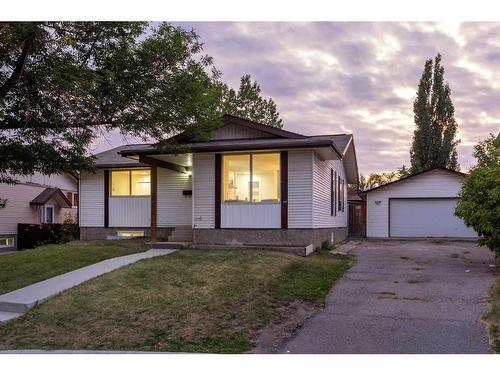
(181, 234)
(21, 300)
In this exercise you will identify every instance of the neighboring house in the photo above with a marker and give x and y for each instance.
(420, 205)
(36, 199)
(248, 184)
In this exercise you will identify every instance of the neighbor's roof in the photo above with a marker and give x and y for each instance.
(415, 175)
(50, 193)
(112, 158)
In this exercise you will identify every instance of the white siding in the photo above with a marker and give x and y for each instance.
(129, 211)
(322, 217)
(300, 189)
(92, 199)
(174, 208)
(232, 131)
(203, 191)
(436, 183)
(251, 215)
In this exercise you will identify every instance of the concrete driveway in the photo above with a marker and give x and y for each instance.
(404, 297)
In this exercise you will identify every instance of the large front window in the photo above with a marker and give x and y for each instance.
(136, 182)
(251, 178)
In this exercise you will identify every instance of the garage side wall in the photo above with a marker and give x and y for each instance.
(435, 184)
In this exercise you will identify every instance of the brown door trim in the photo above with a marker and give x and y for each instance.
(106, 198)
(218, 189)
(154, 202)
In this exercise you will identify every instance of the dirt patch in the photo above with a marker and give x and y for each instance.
(291, 318)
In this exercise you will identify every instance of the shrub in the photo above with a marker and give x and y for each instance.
(327, 245)
(479, 198)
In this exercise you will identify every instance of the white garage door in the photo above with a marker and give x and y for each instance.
(426, 218)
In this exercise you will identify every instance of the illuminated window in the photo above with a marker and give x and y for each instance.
(130, 234)
(266, 178)
(251, 178)
(236, 178)
(7, 242)
(120, 183)
(131, 183)
(141, 182)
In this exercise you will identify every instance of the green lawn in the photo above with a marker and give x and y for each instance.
(492, 317)
(191, 301)
(30, 266)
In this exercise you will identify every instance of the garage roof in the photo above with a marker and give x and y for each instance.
(414, 175)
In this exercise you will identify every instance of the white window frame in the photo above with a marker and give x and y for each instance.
(7, 246)
(45, 213)
(72, 201)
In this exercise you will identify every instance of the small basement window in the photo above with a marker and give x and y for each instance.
(6, 242)
(130, 233)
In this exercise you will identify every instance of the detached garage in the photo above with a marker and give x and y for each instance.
(420, 205)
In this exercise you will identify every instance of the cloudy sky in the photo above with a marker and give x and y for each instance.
(361, 78)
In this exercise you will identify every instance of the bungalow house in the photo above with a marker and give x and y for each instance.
(35, 199)
(249, 184)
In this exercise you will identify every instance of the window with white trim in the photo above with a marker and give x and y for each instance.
(73, 198)
(6, 242)
(49, 214)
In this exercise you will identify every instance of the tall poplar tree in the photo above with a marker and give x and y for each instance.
(434, 143)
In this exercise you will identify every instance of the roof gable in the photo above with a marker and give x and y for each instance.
(233, 131)
(250, 129)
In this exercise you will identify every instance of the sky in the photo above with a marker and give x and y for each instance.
(360, 78)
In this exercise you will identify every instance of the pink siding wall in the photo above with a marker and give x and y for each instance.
(19, 196)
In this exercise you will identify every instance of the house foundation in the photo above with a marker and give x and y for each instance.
(269, 237)
(99, 233)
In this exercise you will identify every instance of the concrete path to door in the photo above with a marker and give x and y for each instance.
(17, 302)
(404, 297)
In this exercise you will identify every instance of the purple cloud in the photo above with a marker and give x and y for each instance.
(360, 77)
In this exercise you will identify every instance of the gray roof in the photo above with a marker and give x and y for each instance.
(244, 144)
(112, 159)
(117, 157)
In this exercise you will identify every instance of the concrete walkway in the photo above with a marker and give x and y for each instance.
(17, 302)
(404, 297)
